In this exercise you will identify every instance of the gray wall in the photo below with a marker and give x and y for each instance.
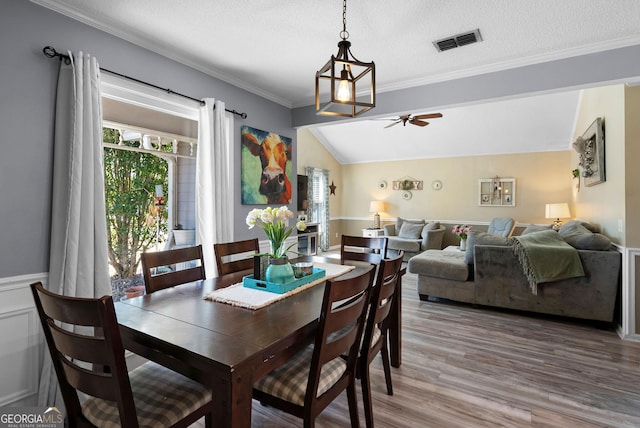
(27, 93)
(613, 66)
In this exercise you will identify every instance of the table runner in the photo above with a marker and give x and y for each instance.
(250, 298)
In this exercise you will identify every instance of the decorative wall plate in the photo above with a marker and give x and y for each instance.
(436, 184)
(406, 195)
(382, 184)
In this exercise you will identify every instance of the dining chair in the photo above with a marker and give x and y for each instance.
(363, 249)
(307, 383)
(164, 269)
(374, 339)
(88, 356)
(228, 264)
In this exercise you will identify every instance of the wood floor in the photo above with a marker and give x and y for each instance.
(479, 367)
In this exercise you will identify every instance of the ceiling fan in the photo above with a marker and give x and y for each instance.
(414, 120)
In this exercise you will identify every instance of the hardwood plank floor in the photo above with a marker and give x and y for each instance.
(481, 367)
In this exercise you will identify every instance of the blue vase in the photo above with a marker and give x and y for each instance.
(279, 271)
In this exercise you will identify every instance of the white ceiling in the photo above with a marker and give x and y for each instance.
(258, 45)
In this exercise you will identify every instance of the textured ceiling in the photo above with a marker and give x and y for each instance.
(258, 45)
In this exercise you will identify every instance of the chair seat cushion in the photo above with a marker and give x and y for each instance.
(377, 334)
(162, 397)
(440, 264)
(289, 381)
(410, 245)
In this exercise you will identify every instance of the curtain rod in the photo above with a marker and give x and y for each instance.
(50, 52)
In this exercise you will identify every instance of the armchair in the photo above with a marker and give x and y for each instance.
(413, 237)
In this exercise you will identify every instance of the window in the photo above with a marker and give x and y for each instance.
(146, 122)
(319, 203)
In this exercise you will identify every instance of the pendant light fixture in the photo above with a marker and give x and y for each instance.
(349, 83)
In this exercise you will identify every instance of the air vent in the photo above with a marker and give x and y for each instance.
(458, 40)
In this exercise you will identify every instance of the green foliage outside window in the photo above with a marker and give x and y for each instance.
(130, 180)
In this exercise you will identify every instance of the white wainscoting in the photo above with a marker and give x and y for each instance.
(630, 259)
(21, 341)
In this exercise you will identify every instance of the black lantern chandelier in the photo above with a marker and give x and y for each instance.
(351, 83)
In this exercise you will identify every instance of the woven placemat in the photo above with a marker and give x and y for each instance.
(250, 298)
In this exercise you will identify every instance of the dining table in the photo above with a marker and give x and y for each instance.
(225, 347)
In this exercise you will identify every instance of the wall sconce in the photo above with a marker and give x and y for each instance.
(376, 207)
(557, 211)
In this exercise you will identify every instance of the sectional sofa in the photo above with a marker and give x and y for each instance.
(490, 273)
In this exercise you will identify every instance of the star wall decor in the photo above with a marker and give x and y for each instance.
(332, 188)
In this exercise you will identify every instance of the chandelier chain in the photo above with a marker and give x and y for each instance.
(344, 34)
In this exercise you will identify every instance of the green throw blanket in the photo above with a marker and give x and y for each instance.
(545, 257)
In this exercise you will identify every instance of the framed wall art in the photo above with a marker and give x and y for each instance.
(497, 192)
(265, 167)
(590, 149)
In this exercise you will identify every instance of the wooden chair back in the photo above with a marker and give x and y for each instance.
(224, 252)
(340, 329)
(339, 332)
(164, 269)
(382, 298)
(363, 249)
(90, 336)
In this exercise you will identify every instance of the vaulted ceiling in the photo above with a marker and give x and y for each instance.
(273, 48)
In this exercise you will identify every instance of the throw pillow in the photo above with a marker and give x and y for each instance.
(570, 224)
(576, 234)
(536, 228)
(410, 230)
(401, 221)
(432, 225)
(481, 238)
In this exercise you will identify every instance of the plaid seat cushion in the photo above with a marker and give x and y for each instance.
(162, 397)
(376, 335)
(289, 381)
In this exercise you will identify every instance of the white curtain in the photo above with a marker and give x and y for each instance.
(78, 261)
(214, 180)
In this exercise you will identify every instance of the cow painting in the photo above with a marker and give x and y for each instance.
(266, 166)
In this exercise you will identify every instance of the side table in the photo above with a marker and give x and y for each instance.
(372, 233)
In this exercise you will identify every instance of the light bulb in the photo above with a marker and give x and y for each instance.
(344, 91)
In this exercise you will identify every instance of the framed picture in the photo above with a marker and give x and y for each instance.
(266, 167)
(497, 192)
(590, 148)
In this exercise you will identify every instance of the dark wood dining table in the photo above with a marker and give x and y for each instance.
(226, 347)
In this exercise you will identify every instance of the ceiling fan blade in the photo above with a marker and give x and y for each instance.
(428, 116)
(418, 122)
(393, 124)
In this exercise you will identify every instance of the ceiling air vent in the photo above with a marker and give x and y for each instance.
(458, 40)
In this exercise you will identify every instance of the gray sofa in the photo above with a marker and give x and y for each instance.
(495, 278)
(413, 237)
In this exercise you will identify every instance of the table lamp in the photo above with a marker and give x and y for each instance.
(557, 211)
(376, 207)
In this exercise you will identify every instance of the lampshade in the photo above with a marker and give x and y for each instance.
(376, 207)
(557, 210)
(350, 83)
